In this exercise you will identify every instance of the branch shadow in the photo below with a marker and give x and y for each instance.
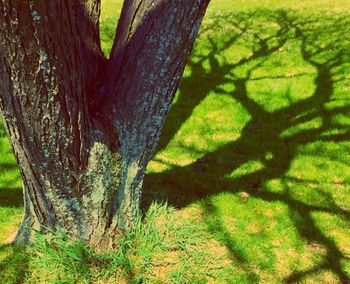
(15, 266)
(10, 194)
(265, 137)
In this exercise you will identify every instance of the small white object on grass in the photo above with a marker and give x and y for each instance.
(244, 195)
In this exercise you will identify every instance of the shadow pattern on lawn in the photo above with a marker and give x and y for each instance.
(10, 194)
(322, 46)
(15, 264)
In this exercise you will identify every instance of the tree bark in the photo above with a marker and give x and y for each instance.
(84, 127)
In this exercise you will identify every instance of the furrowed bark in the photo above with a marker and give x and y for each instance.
(50, 53)
(83, 128)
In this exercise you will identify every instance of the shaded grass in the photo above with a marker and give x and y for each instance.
(263, 108)
(10, 190)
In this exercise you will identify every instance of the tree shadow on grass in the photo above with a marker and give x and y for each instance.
(267, 137)
(11, 197)
(10, 194)
(14, 267)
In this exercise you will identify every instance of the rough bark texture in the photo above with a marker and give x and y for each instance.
(83, 128)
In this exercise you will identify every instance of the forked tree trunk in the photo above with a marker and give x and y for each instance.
(82, 127)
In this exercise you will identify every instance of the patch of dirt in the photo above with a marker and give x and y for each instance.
(164, 264)
(11, 237)
(316, 248)
(214, 257)
(191, 214)
(253, 228)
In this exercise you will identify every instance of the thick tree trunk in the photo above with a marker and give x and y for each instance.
(83, 128)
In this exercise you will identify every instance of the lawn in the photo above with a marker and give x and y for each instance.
(263, 108)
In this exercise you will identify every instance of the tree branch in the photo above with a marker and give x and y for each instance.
(154, 39)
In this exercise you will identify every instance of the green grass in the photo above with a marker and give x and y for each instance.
(11, 205)
(109, 16)
(155, 244)
(263, 108)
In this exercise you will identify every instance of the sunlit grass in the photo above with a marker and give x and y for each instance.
(10, 189)
(263, 108)
(109, 17)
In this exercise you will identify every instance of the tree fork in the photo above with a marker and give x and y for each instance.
(83, 127)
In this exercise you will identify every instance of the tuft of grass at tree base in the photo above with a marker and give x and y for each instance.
(160, 249)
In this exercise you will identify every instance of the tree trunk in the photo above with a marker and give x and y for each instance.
(82, 127)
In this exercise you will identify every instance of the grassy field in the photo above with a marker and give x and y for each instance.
(263, 108)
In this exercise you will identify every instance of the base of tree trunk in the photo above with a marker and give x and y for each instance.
(82, 126)
(109, 206)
